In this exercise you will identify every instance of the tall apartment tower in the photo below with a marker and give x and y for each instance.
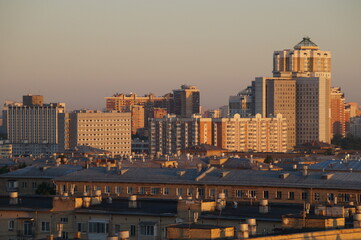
(337, 112)
(35, 128)
(305, 60)
(186, 101)
(110, 131)
(299, 90)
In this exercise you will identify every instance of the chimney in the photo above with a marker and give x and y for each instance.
(13, 198)
(243, 231)
(252, 226)
(263, 206)
(305, 171)
(133, 201)
(108, 166)
(123, 235)
(199, 167)
(119, 165)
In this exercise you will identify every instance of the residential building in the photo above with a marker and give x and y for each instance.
(6, 149)
(241, 103)
(137, 116)
(337, 104)
(35, 128)
(186, 101)
(355, 126)
(256, 134)
(109, 131)
(300, 91)
(172, 134)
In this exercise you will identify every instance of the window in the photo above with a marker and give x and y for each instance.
(64, 235)
(45, 226)
(344, 197)
(278, 195)
(155, 191)
(265, 194)
(81, 227)
(142, 190)
(212, 192)
(87, 188)
(24, 184)
(64, 220)
(98, 227)
(130, 190)
(253, 193)
(132, 230)
(189, 192)
(304, 196)
(291, 195)
(11, 225)
(107, 189)
(147, 230)
(316, 196)
(117, 189)
(201, 192)
(330, 196)
(165, 191)
(179, 191)
(239, 193)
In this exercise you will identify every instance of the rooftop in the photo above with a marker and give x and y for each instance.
(306, 43)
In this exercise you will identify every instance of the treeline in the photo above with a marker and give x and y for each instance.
(349, 142)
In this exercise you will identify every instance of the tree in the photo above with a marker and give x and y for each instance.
(45, 189)
(4, 169)
(268, 159)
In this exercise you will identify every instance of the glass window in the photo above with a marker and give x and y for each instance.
(279, 195)
(98, 227)
(132, 230)
(265, 194)
(291, 195)
(11, 225)
(45, 226)
(147, 230)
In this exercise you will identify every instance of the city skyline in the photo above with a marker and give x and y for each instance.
(79, 53)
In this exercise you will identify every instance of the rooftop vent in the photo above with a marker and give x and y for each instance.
(327, 176)
(181, 173)
(223, 174)
(123, 171)
(284, 175)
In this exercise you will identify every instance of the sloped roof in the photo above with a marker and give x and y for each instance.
(306, 43)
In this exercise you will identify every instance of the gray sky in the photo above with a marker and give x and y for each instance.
(79, 52)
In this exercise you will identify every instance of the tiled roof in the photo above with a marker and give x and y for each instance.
(306, 42)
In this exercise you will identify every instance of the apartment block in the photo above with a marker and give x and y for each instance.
(355, 126)
(109, 131)
(35, 128)
(337, 104)
(171, 134)
(186, 101)
(256, 134)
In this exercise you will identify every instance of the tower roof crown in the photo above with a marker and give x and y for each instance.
(306, 44)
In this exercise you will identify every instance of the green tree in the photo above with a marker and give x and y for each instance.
(268, 159)
(45, 189)
(4, 169)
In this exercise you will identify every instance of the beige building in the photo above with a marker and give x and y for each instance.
(256, 134)
(277, 96)
(355, 126)
(303, 61)
(300, 91)
(109, 131)
(35, 128)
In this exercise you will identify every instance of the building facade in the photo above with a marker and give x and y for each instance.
(109, 131)
(171, 134)
(256, 134)
(337, 103)
(35, 128)
(186, 101)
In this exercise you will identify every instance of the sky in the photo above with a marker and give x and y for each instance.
(79, 52)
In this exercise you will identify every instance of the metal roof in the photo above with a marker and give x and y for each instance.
(295, 179)
(45, 171)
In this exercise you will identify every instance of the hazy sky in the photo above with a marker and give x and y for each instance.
(79, 52)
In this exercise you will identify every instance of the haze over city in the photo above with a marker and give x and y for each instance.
(79, 52)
